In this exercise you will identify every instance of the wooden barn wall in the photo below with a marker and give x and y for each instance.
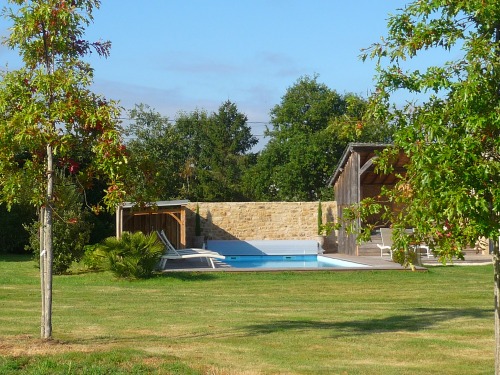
(372, 191)
(153, 221)
(346, 193)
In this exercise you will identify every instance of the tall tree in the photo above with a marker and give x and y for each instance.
(50, 118)
(200, 156)
(451, 131)
(156, 157)
(217, 149)
(310, 129)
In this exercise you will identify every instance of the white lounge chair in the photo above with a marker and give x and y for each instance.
(386, 247)
(173, 253)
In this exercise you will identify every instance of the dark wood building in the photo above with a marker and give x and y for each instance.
(169, 216)
(355, 179)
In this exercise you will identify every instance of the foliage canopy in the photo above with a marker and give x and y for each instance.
(310, 129)
(200, 156)
(48, 102)
(451, 191)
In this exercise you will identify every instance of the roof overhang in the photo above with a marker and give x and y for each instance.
(158, 204)
(356, 147)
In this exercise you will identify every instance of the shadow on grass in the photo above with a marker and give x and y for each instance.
(188, 276)
(182, 276)
(420, 319)
(16, 257)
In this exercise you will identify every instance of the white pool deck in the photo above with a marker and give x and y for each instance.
(375, 263)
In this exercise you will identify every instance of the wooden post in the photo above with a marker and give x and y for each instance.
(48, 249)
(119, 221)
(496, 277)
(183, 226)
(41, 232)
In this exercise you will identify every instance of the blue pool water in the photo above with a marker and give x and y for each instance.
(288, 261)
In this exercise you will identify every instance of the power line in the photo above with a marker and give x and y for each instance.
(168, 119)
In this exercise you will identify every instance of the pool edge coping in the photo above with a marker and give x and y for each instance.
(373, 263)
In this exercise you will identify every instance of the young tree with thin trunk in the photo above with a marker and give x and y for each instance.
(51, 120)
(450, 193)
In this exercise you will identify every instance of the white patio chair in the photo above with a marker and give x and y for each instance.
(386, 247)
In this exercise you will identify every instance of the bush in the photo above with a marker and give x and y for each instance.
(91, 258)
(71, 229)
(103, 226)
(133, 256)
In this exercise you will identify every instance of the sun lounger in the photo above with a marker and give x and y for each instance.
(173, 253)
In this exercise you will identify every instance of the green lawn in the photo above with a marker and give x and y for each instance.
(375, 322)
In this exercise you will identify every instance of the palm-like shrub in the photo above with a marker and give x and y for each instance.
(133, 256)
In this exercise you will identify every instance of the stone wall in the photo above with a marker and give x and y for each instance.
(259, 221)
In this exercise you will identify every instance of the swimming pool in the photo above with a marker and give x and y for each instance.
(288, 262)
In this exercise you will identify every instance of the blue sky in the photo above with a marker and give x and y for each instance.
(178, 55)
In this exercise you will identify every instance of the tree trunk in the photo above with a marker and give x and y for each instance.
(496, 245)
(496, 268)
(43, 276)
(48, 251)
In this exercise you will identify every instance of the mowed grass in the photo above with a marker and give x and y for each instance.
(365, 322)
